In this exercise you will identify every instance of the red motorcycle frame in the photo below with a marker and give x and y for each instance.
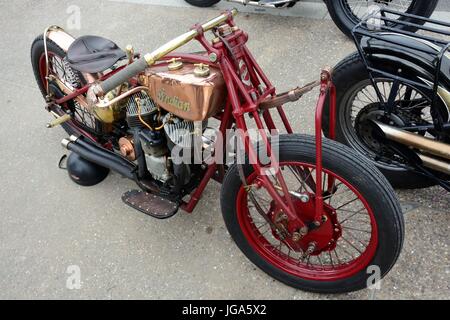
(305, 226)
(240, 102)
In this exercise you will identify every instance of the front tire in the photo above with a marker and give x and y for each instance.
(361, 176)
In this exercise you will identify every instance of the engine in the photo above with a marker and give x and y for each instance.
(156, 133)
(170, 111)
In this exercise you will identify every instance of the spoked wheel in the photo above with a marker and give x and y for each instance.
(347, 13)
(83, 121)
(358, 8)
(361, 223)
(342, 246)
(358, 103)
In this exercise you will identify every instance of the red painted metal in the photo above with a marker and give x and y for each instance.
(325, 84)
(85, 88)
(247, 86)
(323, 234)
(225, 124)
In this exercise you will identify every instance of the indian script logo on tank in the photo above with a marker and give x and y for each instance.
(173, 101)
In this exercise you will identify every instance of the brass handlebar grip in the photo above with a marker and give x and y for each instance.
(150, 58)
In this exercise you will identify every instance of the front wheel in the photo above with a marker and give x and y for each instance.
(362, 224)
(346, 14)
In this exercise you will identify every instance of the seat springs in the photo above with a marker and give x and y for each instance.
(71, 77)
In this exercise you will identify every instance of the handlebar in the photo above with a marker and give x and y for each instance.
(151, 58)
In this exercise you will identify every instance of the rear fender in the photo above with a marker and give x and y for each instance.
(59, 36)
(411, 63)
(64, 40)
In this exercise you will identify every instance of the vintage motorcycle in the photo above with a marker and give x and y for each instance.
(313, 214)
(345, 14)
(393, 99)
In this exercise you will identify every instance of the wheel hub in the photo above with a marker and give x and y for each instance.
(374, 112)
(315, 239)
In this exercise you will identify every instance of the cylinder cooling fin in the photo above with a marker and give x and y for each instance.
(182, 132)
(147, 109)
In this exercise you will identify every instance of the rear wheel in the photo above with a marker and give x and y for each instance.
(362, 224)
(347, 13)
(357, 102)
(83, 122)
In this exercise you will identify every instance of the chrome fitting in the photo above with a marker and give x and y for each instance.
(65, 143)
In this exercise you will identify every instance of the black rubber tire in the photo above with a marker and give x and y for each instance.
(202, 3)
(347, 74)
(346, 20)
(362, 175)
(37, 49)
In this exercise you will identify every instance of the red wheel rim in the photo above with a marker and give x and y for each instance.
(43, 66)
(355, 253)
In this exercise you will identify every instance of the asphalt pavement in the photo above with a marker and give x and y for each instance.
(49, 225)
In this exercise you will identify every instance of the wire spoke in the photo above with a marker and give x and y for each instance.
(270, 236)
(351, 244)
(356, 229)
(355, 238)
(351, 216)
(347, 203)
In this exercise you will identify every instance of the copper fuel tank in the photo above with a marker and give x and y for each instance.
(193, 92)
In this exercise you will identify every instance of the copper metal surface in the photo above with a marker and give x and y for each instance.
(80, 99)
(127, 150)
(184, 94)
(290, 96)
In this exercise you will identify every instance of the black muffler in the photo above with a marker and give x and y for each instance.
(100, 156)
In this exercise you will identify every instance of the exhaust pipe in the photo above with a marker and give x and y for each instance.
(413, 140)
(100, 156)
(425, 144)
(435, 164)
